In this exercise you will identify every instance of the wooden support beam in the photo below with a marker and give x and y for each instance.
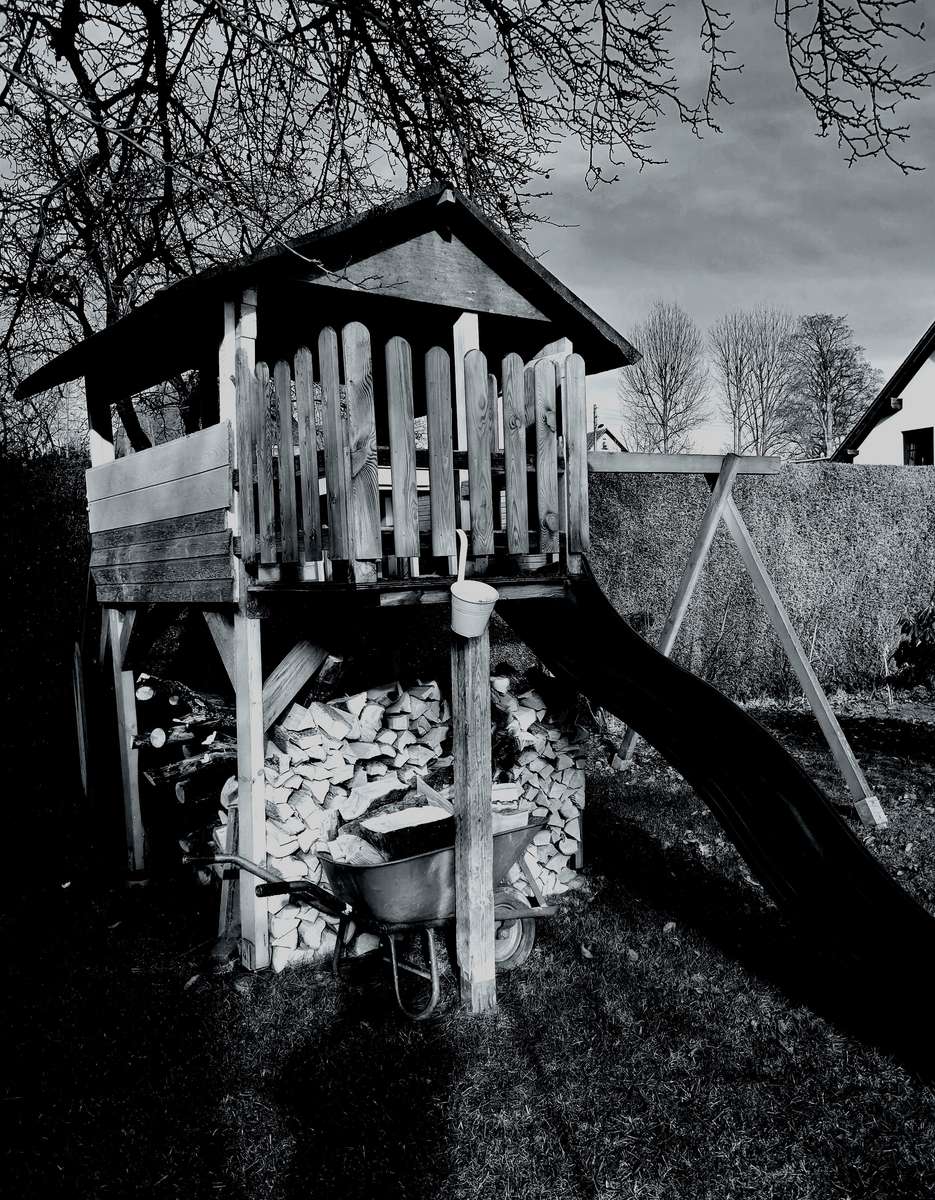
(81, 717)
(221, 627)
(117, 626)
(290, 675)
(125, 696)
(247, 666)
(868, 806)
(251, 786)
(228, 911)
(474, 905)
(126, 632)
(717, 502)
(677, 464)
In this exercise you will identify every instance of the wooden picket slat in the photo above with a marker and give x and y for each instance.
(514, 455)
(546, 456)
(247, 401)
(493, 395)
(441, 469)
(575, 427)
(266, 511)
(363, 506)
(337, 452)
(308, 454)
(402, 447)
(478, 417)
(289, 529)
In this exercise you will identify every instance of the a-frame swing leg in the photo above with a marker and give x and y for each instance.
(868, 806)
(690, 576)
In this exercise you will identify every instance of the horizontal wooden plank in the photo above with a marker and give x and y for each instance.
(506, 591)
(192, 525)
(174, 548)
(191, 455)
(218, 566)
(178, 498)
(677, 464)
(433, 589)
(190, 591)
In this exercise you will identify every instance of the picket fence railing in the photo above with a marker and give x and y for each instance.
(313, 482)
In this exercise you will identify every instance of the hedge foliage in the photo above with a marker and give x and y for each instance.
(850, 549)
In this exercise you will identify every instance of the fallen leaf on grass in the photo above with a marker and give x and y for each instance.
(669, 927)
(585, 952)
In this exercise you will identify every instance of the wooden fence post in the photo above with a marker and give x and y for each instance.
(474, 906)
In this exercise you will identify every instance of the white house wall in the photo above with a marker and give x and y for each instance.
(884, 444)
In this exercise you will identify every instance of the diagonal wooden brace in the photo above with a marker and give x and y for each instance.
(868, 806)
(705, 536)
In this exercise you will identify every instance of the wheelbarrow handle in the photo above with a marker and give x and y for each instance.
(324, 901)
(275, 885)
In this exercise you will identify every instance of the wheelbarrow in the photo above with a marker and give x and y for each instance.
(416, 895)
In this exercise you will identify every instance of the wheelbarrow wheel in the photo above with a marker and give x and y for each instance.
(514, 938)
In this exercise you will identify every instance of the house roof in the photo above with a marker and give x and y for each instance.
(880, 408)
(599, 434)
(181, 314)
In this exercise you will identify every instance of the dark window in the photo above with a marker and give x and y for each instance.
(919, 448)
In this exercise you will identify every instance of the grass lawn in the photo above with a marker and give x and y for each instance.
(670, 1037)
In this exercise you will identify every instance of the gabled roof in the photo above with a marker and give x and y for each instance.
(881, 408)
(600, 434)
(180, 313)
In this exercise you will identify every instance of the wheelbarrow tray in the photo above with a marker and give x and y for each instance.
(419, 890)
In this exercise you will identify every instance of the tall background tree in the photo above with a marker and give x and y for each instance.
(832, 384)
(752, 356)
(664, 395)
(145, 139)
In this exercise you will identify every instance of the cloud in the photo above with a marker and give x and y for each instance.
(765, 212)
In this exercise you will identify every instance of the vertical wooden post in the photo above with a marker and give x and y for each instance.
(251, 786)
(474, 907)
(118, 625)
(240, 336)
(125, 694)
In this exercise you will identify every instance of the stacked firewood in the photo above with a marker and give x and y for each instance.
(549, 774)
(348, 776)
(327, 766)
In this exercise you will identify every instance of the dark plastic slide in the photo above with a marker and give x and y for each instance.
(777, 817)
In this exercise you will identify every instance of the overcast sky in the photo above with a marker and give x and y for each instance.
(763, 213)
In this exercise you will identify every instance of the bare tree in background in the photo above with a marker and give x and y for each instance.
(833, 383)
(770, 342)
(727, 340)
(149, 139)
(664, 395)
(752, 356)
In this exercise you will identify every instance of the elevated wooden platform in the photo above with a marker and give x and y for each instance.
(172, 524)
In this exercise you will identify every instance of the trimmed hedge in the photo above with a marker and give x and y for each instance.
(850, 549)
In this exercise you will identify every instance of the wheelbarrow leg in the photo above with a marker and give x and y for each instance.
(338, 954)
(432, 975)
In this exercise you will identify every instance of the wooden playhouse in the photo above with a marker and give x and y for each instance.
(364, 392)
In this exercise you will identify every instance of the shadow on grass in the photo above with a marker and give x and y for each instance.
(110, 1075)
(368, 1098)
(745, 927)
